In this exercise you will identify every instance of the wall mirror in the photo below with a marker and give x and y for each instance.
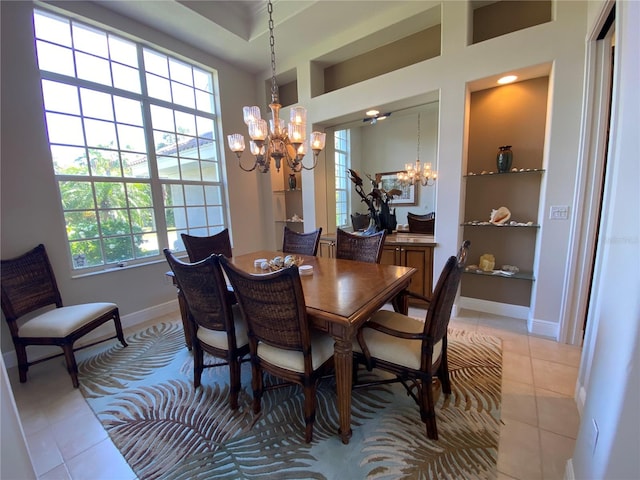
(379, 146)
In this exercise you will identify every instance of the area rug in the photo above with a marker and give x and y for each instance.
(166, 429)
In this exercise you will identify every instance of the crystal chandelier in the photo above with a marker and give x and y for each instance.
(416, 173)
(276, 142)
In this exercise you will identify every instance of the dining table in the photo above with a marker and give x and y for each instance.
(340, 296)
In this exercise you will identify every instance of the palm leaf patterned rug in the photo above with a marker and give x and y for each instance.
(166, 429)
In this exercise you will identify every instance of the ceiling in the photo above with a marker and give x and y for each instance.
(323, 30)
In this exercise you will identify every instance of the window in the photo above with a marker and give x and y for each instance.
(133, 140)
(342, 148)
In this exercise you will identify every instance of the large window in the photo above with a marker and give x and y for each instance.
(133, 141)
(342, 147)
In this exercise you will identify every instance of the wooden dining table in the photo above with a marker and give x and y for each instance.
(340, 296)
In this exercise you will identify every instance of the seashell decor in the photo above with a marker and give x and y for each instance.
(500, 216)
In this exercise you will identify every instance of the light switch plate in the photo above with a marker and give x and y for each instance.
(559, 212)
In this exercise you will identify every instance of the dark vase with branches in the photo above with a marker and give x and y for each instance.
(377, 201)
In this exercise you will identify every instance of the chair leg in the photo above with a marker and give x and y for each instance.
(256, 384)
(309, 411)
(198, 360)
(427, 409)
(118, 325)
(72, 367)
(234, 381)
(443, 374)
(23, 363)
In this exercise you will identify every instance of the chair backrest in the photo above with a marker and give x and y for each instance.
(205, 292)
(274, 308)
(421, 223)
(28, 284)
(199, 248)
(301, 243)
(360, 221)
(363, 248)
(439, 311)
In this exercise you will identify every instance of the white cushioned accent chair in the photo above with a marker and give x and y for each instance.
(414, 351)
(29, 284)
(280, 339)
(216, 325)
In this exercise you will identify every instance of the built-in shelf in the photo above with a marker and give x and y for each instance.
(519, 275)
(288, 191)
(494, 174)
(493, 225)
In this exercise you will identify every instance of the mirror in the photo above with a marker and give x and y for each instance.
(385, 146)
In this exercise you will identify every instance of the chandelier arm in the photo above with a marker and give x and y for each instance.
(315, 162)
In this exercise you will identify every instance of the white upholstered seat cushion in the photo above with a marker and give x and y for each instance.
(60, 322)
(321, 351)
(393, 349)
(218, 339)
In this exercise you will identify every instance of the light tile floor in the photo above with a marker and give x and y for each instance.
(540, 418)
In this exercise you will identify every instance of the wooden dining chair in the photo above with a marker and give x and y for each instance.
(301, 243)
(363, 248)
(199, 248)
(412, 350)
(280, 339)
(360, 221)
(421, 223)
(216, 325)
(28, 285)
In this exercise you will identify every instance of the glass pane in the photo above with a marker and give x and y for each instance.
(180, 72)
(104, 163)
(64, 129)
(76, 195)
(59, 97)
(135, 165)
(81, 225)
(162, 118)
(69, 160)
(146, 245)
(50, 27)
(196, 217)
(208, 150)
(126, 78)
(55, 59)
(216, 215)
(90, 40)
(155, 63)
(158, 87)
(128, 111)
(143, 220)
(194, 194)
(86, 254)
(175, 218)
(100, 134)
(205, 102)
(163, 140)
(187, 146)
(183, 95)
(213, 195)
(93, 68)
(168, 168)
(139, 195)
(118, 249)
(205, 127)
(202, 80)
(209, 171)
(190, 170)
(96, 104)
(114, 222)
(123, 51)
(185, 123)
(173, 195)
(110, 195)
(175, 240)
(131, 138)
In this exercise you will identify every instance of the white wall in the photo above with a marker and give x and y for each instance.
(610, 366)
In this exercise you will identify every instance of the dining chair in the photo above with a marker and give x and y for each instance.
(413, 350)
(301, 243)
(280, 340)
(28, 285)
(216, 325)
(360, 221)
(199, 248)
(421, 223)
(363, 248)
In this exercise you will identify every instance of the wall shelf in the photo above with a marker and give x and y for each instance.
(515, 276)
(492, 225)
(498, 174)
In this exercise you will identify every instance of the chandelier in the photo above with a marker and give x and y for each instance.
(417, 173)
(275, 142)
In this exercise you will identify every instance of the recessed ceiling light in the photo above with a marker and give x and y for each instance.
(507, 79)
(372, 113)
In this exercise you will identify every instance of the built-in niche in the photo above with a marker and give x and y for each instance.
(493, 19)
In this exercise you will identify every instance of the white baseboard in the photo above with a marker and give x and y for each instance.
(568, 471)
(580, 397)
(544, 328)
(128, 321)
(495, 308)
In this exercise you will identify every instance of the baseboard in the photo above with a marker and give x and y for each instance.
(580, 397)
(544, 328)
(128, 321)
(495, 308)
(568, 471)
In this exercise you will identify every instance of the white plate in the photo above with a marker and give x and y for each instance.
(305, 270)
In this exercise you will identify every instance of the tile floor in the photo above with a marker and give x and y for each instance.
(540, 417)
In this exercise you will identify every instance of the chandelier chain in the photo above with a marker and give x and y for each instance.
(418, 152)
(272, 44)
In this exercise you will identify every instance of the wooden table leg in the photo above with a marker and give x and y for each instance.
(343, 361)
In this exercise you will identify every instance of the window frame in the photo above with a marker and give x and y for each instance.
(342, 181)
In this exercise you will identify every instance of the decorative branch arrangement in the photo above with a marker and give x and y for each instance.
(377, 202)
